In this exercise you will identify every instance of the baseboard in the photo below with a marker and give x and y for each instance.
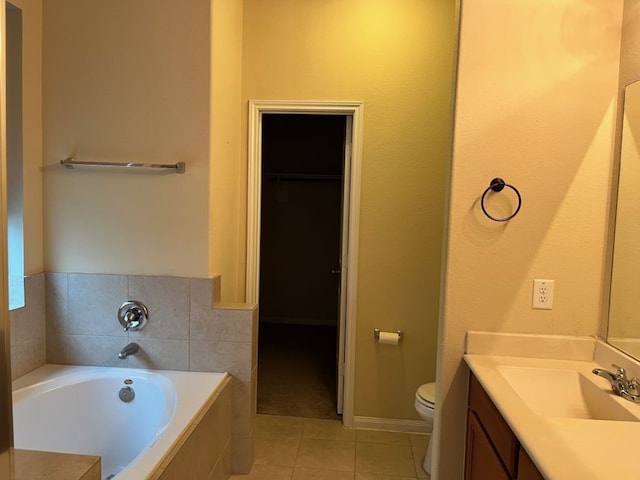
(391, 424)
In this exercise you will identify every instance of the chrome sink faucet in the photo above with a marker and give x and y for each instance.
(620, 384)
(130, 349)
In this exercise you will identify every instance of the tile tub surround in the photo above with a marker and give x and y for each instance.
(188, 330)
(28, 339)
(35, 465)
(204, 450)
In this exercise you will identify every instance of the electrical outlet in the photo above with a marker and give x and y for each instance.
(542, 294)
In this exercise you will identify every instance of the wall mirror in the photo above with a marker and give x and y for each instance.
(624, 306)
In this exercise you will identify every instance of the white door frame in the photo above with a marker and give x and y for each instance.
(350, 254)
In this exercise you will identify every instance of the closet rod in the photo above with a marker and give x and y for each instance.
(179, 167)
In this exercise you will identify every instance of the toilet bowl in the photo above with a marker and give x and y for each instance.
(425, 406)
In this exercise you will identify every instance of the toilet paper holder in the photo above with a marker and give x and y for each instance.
(376, 334)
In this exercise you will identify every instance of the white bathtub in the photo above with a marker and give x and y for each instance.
(71, 409)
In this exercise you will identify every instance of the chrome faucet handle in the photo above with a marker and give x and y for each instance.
(633, 386)
(133, 315)
(621, 373)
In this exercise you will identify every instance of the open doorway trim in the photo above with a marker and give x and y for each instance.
(355, 111)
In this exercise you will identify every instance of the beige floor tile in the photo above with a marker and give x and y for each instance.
(329, 454)
(276, 449)
(377, 436)
(328, 430)
(266, 472)
(304, 473)
(385, 459)
(418, 462)
(419, 444)
(374, 476)
(419, 441)
(279, 424)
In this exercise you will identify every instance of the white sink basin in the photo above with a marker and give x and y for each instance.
(567, 394)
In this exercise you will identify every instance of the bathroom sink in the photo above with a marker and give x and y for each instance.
(566, 394)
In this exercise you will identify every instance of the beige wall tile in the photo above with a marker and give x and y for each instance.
(242, 404)
(254, 338)
(254, 398)
(167, 299)
(28, 329)
(243, 453)
(222, 421)
(209, 442)
(217, 289)
(159, 354)
(57, 349)
(26, 357)
(94, 350)
(217, 324)
(206, 451)
(36, 465)
(202, 293)
(93, 303)
(56, 296)
(222, 470)
(232, 357)
(183, 465)
(232, 325)
(94, 474)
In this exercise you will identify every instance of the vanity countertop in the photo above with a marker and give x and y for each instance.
(561, 447)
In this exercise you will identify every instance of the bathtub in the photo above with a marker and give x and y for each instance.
(71, 409)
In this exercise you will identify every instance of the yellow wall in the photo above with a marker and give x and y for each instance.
(535, 104)
(32, 132)
(227, 201)
(396, 57)
(127, 82)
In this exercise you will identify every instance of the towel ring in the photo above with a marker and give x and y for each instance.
(497, 185)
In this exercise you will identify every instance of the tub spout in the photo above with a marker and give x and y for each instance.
(130, 349)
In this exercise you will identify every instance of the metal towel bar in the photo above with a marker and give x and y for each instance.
(179, 167)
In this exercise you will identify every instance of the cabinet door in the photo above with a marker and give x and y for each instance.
(527, 470)
(482, 463)
(502, 438)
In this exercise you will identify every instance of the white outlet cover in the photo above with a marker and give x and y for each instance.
(542, 297)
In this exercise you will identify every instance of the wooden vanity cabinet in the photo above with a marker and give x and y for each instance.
(527, 470)
(493, 451)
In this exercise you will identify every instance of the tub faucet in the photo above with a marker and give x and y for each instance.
(620, 384)
(130, 349)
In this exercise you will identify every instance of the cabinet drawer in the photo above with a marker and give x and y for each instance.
(505, 442)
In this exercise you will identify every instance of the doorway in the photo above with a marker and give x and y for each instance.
(303, 215)
(300, 241)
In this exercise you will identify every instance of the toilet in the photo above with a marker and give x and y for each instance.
(425, 405)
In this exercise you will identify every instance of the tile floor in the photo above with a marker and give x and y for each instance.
(294, 448)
